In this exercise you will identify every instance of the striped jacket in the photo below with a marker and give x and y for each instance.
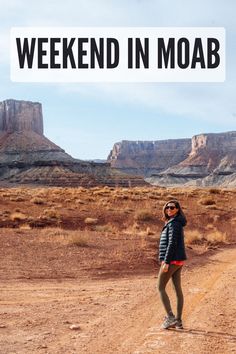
(171, 247)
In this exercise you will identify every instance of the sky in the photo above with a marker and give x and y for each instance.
(86, 119)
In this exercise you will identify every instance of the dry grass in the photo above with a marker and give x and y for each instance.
(65, 237)
(216, 237)
(51, 213)
(193, 236)
(108, 229)
(119, 210)
(91, 221)
(214, 191)
(17, 216)
(207, 201)
(211, 237)
(79, 239)
(143, 215)
(37, 200)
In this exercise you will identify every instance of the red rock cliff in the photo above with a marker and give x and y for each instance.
(21, 116)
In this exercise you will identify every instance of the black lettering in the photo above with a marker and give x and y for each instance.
(140, 52)
(213, 53)
(167, 54)
(130, 53)
(198, 55)
(82, 53)
(41, 53)
(112, 42)
(99, 53)
(26, 52)
(183, 59)
(68, 53)
(54, 53)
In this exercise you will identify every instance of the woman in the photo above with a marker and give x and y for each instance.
(172, 255)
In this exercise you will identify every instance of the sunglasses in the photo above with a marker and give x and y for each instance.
(170, 207)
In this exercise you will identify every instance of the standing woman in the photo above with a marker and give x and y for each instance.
(172, 256)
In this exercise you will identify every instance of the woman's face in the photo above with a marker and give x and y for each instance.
(171, 210)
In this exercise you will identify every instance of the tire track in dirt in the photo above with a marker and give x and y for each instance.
(122, 315)
(210, 310)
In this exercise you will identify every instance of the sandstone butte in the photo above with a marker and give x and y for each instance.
(204, 160)
(28, 157)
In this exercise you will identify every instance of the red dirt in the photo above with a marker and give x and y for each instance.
(107, 287)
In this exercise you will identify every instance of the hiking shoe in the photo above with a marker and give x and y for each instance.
(179, 324)
(169, 322)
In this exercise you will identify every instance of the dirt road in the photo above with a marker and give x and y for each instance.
(121, 315)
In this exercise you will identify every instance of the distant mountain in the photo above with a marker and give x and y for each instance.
(204, 160)
(28, 157)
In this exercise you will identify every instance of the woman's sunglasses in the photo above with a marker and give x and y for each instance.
(171, 207)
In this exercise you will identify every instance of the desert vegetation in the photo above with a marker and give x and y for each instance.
(108, 229)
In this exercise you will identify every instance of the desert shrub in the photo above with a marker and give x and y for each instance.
(216, 236)
(102, 192)
(123, 196)
(78, 239)
(17, 199)
(6, 195)
(128, 210)
(193, 236)
(79, 201)
(105, 228)
(65, 237)
(143, 215)
(51, 213)
(37, 200)
(6, 212)
(214, 191)
(206, 201)
(153, 196)
(211, 207)
(91, 221)
(18, 216)
(25, 227)
(149, 232)
(68, 200)
(212, 237)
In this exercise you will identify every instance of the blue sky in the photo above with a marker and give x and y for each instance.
(87, 119)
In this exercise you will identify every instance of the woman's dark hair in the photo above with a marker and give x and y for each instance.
(177, 205)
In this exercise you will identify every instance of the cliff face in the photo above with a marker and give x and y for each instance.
(28, 157)
(21, 116)
(212, 161)
(21, 134)
(209, 149)
(147, 157)
(206, 159)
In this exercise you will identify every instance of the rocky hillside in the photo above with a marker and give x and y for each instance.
(148, 157)
(206, 160)
(28, 157)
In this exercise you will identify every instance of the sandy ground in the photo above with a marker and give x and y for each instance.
(123, 314)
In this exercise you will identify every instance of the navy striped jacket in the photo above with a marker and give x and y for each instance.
(171, 247)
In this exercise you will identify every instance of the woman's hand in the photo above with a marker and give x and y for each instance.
(165, 267)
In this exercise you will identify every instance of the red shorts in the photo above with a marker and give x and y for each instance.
(177, 262)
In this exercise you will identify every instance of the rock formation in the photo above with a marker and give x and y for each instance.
(212, 161)
(27, 156)
(209, 159)
(16, 116)
(148, 157)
